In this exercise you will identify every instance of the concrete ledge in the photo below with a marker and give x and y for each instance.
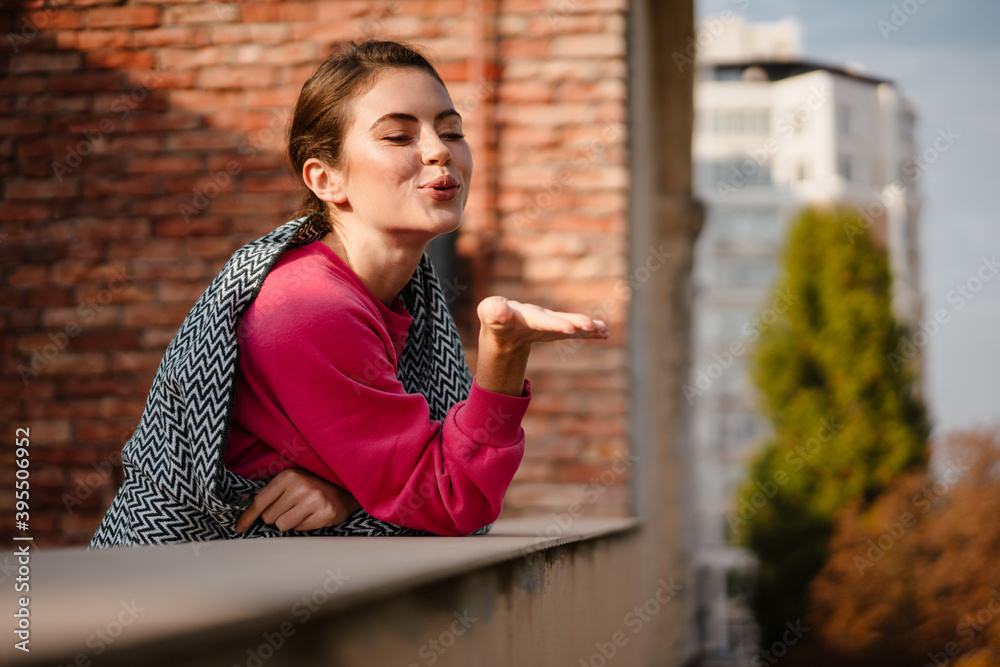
(340, 601)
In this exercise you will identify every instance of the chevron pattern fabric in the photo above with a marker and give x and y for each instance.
(176, 486)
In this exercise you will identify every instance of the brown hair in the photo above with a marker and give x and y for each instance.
(324, 110)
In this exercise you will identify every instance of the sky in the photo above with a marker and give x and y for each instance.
(945, 57)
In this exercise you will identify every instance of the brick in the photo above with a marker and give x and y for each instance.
(141, 248)
(524, 48)
(185, 292)
(168, 163)
(39, 189)
(205, 99)
(160, 80)
(20, 211)
(86, 523)
(182, 57)
(143, 315)
(168, 120)
(120, 105)
(84, 81)
(239, 77)
(209, 246)
(21, 126)
(110, 59)
(210, 13)
(130, 17)
(256, 33)
(279, 13)
(202, 140)
(135, 361)
(25, 84)
(47, 103)
(104, 39)
(44, 62)
(101, 430)
(49, 19)
(272, 97)
(45, 432)
(116, 292)
(119, 186)
(285, 183)
(30, 274)
(171, 36)
(92, 338)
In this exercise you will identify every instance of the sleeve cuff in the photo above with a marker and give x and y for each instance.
(493, 419)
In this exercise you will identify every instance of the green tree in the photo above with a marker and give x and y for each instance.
(846, 417)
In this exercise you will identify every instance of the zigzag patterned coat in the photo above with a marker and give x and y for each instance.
(176, 487)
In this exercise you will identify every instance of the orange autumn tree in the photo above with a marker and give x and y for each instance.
(914, 578)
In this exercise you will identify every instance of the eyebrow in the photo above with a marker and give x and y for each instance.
(413, 119)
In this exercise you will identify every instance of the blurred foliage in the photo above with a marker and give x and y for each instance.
(914, 578)
(845, 422)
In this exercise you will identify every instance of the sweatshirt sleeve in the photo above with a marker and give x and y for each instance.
(332, 373)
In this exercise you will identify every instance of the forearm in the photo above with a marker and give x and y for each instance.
(501, 369)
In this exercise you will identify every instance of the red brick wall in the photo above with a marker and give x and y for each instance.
(143, 142)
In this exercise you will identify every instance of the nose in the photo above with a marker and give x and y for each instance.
(434, 150)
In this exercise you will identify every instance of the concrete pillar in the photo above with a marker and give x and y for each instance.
(664, 221)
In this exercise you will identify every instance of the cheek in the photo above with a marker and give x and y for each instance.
(386, 169)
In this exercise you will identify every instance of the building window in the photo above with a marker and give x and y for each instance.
(734, 173)
(747, 272)
(845, 167)
(736, 430)
(753, 122)
(844, 120)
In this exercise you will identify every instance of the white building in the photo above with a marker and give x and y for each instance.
(773, 133)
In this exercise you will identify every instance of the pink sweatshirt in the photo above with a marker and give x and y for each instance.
(318, 389)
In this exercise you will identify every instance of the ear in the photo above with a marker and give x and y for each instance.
(324, 181)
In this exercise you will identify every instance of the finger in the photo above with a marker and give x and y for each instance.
(581, 321)
(282, 504)
(292, 518)
(314, 521)
(261, 501)
(496, 310)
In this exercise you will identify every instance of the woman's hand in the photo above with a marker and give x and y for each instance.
(296, 499)
(514, 326)
(507, 331)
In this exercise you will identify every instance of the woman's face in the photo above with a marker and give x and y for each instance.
(405, 139)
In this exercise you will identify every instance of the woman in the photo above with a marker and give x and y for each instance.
(350, 377)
